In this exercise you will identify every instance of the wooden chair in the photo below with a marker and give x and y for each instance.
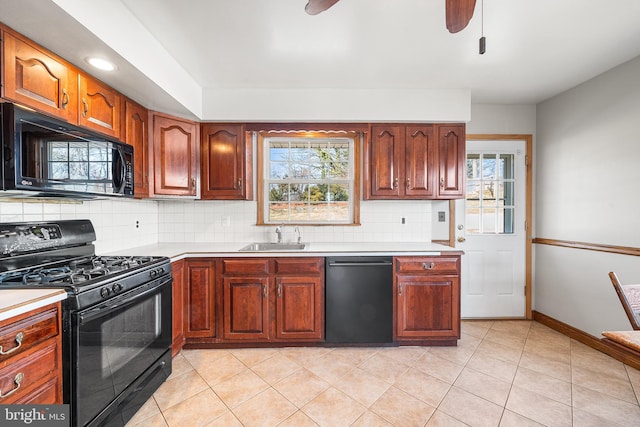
(630, 298)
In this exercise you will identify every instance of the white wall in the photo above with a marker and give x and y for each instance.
(113, 219)
(587, 191)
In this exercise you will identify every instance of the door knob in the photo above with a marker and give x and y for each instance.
(461, 239)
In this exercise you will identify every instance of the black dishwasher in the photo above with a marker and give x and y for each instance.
(359, 299)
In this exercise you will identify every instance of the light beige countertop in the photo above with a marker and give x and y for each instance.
(177, 251)
(14, 302)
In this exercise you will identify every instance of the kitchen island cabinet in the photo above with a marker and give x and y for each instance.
(427, 293)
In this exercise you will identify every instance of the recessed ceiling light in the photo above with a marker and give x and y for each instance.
(102, 64)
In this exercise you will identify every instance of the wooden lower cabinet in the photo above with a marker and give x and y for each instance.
(427, 294)
(246, 308)
(272, 300)
(299, 307)
(199, 298)
(177, 296)
(31, 359)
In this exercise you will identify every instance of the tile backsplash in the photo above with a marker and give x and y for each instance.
(121, 223)
(234, 221)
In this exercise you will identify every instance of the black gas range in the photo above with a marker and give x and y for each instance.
(116, 318)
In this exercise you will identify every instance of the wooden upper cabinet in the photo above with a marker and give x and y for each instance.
(401, 161)
(452, 160)
(420, 155)
(225, 163)
(421, 161)
(175, 154)
(386, 154)
(135, 132)
(99, 107)
(38, 79)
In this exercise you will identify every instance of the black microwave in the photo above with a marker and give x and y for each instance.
(42, 156)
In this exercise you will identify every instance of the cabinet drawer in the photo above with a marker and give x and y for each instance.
(24, 333)
(245, 267)
(298, 266)
(17, 377)
(428, 265)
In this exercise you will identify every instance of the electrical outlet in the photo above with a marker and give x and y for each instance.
(441, 217)
(403, 220)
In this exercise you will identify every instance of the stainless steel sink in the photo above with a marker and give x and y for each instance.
(274, 247)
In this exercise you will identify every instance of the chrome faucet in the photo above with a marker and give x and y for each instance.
(297, 230)
(279, 231)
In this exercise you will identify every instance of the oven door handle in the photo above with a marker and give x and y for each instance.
(119, 302)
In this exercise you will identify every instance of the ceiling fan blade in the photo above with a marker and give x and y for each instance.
(314, 7)
(459, 13)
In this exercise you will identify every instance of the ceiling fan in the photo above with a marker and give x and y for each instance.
(458, 12)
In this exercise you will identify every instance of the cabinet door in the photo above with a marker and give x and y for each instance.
(199, 301)
(177, 295)
(246, 308)
(428, 306)
(38, 79)
(224, 158)
(299, 307)
(385, 155)
(452, 161)
(100, 106)
(420, 162)
(175, 150)
(136, 133)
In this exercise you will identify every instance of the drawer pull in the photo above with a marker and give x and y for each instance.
(429, 266)
(19, 338)
(17, 380)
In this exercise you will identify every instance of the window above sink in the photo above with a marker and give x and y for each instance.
(308, 178)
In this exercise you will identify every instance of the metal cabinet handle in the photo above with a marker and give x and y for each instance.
(85, 108)
(279, 290)
(65, 98)
(399, 289)
(264, 291)
(408, 184)
(239, 183)
(395, 183)
(17, 380)
(429, 266)
(193, 183)
(19, 337)
(442, 182)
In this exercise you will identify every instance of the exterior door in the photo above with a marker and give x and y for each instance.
(490, 228)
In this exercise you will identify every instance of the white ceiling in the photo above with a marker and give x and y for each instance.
(535, 48)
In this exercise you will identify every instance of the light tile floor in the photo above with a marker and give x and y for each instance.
(502, 373)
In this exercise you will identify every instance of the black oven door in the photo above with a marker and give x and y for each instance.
(114, 344)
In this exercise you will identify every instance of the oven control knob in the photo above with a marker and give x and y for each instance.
(153, 274)
(104, 292)
(116, 288)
